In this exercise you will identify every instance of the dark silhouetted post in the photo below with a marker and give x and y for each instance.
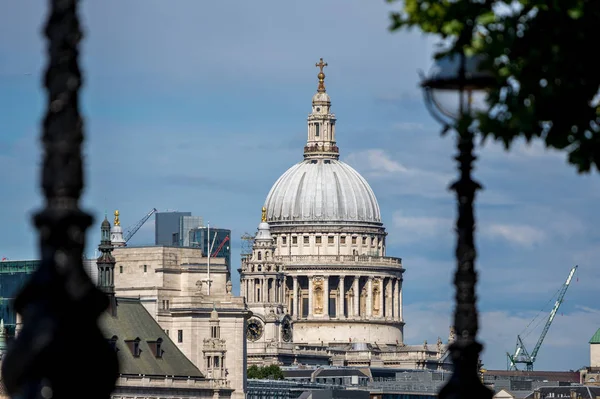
(60, 352)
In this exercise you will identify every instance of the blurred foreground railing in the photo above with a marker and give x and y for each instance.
(60, 352)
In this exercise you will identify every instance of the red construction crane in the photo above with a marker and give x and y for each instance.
(214, 255)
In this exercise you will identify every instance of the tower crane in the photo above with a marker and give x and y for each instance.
(130, 231)
(521, 355)
(214, 254)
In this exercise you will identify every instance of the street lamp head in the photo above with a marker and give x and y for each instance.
(455, 77)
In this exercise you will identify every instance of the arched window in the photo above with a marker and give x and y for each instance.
(259, 256)
(316, 130)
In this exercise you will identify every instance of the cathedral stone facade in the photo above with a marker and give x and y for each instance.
(319, 283)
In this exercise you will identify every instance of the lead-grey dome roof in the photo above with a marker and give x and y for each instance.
(322, 191)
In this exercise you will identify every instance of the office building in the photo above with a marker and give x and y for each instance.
(218, 242)
(166, 230)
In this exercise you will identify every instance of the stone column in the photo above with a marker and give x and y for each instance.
(381, 298)
(310, 297)
(326, 297)
(369, 297)
(340, 313)
(356, 299)
(295, 297)
(400, 313)
(396, 301)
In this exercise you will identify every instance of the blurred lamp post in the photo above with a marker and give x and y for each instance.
(454, 92)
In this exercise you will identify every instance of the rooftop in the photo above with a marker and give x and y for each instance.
(133, 322)
(595, 338)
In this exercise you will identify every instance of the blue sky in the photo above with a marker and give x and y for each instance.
(201, 106)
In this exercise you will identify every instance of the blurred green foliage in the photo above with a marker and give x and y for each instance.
(543, 56)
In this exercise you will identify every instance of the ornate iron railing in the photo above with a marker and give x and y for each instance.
(61, 352)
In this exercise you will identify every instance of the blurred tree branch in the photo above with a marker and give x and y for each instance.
(542, 53)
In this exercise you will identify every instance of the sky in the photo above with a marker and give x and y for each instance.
(200, 106)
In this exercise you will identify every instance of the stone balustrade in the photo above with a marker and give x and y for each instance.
(336, 259)
(171, 382)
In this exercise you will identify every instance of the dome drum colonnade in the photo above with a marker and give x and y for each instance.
(325, 264)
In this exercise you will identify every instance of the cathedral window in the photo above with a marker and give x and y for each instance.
(364, 241)
(214, 332)
(306, 240)
(317, 240)
(145, 268)
(120, 269)
(353, 240)
(330, 240)
(217, 361)
(259, 255)
(316, 130)
(180, 336)
(342, 239)
(294, 240)
(284, 240)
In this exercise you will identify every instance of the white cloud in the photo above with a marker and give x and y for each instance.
(376, 164)
(412, 228)
(518, 234)
(520, 151)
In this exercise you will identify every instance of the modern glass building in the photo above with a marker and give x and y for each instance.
(166, 228)
(187, 224)
(221, 247)
(13, 276)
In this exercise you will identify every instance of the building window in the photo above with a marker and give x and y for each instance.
(214, 332)
(167, 304)
(180, 336)
(306, 240)
(136, 348)
(113, 342)
(330, 240)
(364, 241)
(120, 269)
(167, 332)
(373, 241)
(342, 239)
(145, 268)
(294, 240)
(158, 348)
(353, 240)
(217, 361)
(284, 240)
(316, 130)
(259, 255)
(317, 240)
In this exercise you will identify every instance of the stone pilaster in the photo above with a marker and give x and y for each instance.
(310, 297)
(341, 296)
(295, 298)
(326, 297)
(356, 300)
(369, 307)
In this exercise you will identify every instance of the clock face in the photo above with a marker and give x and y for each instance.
(286, 330)
(254, 330)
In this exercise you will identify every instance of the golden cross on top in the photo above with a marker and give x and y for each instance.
(321, 64)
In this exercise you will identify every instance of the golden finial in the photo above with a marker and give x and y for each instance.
(264, 215)
(117, 221)
(321, 75)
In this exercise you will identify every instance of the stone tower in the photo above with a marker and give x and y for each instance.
(106, 266)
